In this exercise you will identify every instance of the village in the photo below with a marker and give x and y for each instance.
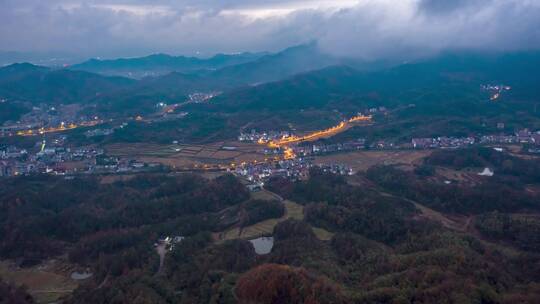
(274, 153)
(57, 157)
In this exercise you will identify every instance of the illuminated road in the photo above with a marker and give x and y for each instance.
(288, 153)
(60, 128)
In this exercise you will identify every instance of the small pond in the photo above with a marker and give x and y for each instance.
(263, 245)
(80, 275)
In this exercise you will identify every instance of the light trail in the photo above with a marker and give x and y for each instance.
(288, 152)
(495, 97)
(60, 128)
(318, 134)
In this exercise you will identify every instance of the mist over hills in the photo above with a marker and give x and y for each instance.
(159, 64)
(268, 152)
(377, 211)
(36, 84)
(243, 68)
(32, 83)
(51, 59)
(296, 78)
(333, 84)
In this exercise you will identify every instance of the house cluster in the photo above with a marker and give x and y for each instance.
(44, 117)
(57, 159)
(258, 137)
(319, 149)
(381, 110)
(201, 97)
(524, 136)
(442, 142)
(337, 169)
(500, 87)
(495, 90)
(293, 169)
(51, 159)
(169, 242)
(98, 132)
(384, 144)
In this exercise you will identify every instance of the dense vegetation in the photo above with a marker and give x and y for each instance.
(334, 204)
(498, 193)
(10, 294)
(11, 111)
(527, 171)
(522, 230)
(271, 283)
(445, 91)
(381, 250)
(43, 215)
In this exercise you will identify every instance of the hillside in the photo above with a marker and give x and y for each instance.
(383, 248)
(26, 82)
(438, 81)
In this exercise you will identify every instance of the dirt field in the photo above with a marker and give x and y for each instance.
(109, 179)
(293, 210)
(46, 282)
(465, 177)
(363, 160)
(140, 149)
(187, 156)
(265, 196)
(322, 234)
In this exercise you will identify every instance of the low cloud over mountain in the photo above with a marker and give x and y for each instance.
(358, 28)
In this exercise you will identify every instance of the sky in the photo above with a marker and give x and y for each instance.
(368, 29)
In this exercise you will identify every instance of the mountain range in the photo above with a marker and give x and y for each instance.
(296, 78)
(160, 64)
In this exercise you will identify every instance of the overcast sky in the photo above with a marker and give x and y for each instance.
(361, 28)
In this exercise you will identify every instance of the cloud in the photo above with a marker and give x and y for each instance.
(445, 6)
(361, 28)
(421, 28)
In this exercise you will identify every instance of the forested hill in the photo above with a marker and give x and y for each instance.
(36, 84)
(439, 80)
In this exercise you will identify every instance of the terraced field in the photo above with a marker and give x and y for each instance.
(188, 155)
(293, 210)
(47, 283)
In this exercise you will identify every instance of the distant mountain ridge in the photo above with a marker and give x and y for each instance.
(31, 83)
(236, 69)
(27, 82)
(296, 78)
(39, 58)
(291, 61)
(342, 83)
(159, 64)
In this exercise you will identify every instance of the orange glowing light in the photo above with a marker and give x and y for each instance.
(288, 153)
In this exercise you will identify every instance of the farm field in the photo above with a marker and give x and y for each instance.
(188, 156)
(47, 282)
(322, 234)
(293, 210)
(363, 160)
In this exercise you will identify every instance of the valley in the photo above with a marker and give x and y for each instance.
(285, 177)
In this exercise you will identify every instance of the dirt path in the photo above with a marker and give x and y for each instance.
(433, 215)
(277, 196)
(161, 251)
(460, 224)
